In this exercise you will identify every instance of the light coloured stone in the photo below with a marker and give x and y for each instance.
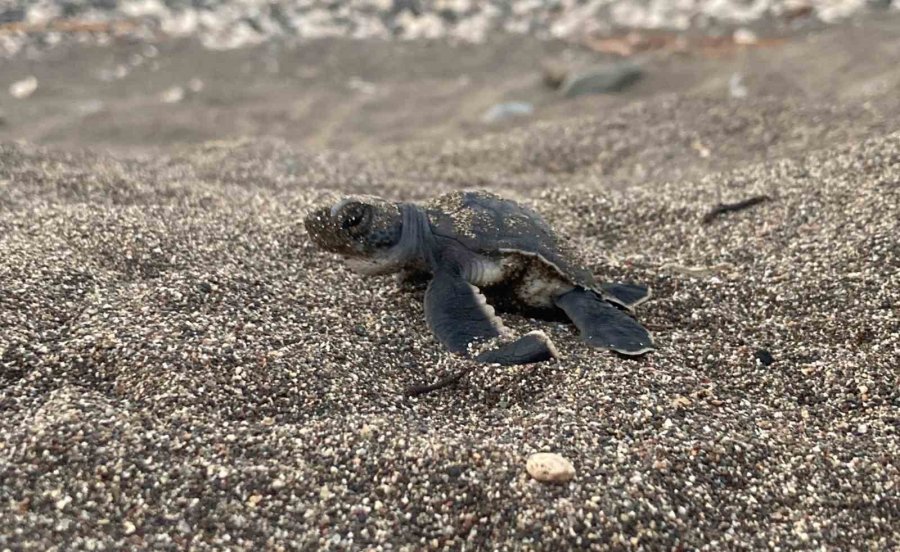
(172, 95)
(549, 467)
(744, 37)
(23, 88)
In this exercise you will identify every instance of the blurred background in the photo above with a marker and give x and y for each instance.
(138, 76)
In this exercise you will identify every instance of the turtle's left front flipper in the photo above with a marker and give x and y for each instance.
(459, 315)
(603, 325)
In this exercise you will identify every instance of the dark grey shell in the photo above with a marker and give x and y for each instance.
(491, 225)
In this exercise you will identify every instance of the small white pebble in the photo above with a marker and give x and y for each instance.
(23, 88)
(172, 95)
(744, 37)
(549, 467)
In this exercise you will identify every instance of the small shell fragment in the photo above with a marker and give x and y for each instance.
(549, 467)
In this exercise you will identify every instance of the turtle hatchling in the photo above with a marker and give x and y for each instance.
(475, 244)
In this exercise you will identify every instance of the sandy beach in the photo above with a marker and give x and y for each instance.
(181, 369)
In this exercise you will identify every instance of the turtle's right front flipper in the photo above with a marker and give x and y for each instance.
(603, 325)
(459, 315)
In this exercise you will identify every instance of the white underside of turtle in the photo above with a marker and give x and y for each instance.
(536, 282)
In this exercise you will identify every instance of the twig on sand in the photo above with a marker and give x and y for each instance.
(723, 208)
(421, 388)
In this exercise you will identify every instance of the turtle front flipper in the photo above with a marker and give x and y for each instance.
(603, 325)
(459, 315)
(626, 295)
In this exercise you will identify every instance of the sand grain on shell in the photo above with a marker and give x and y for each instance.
(181, 368)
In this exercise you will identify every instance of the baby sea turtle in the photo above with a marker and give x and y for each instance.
(466, 242)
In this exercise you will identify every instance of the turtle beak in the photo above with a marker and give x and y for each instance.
(322, 228)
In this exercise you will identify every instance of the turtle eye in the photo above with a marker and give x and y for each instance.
(354, 217)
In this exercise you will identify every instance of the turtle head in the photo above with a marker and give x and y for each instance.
(365, 230)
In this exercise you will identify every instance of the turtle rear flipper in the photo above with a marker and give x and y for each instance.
(458, 314)
(603, 325)
(532, 347)
(626, 295)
